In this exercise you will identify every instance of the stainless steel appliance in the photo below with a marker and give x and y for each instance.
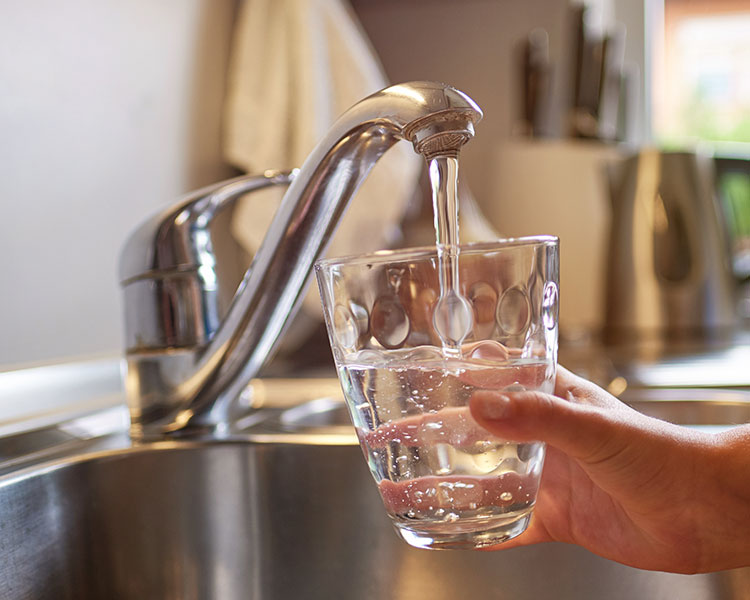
(669, 276)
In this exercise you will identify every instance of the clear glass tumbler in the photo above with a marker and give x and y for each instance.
(445, 481)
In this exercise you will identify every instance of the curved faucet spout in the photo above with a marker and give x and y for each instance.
(199, 387)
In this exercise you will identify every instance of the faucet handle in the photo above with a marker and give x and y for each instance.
(168, 268)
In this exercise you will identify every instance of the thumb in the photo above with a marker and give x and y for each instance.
(584, 432)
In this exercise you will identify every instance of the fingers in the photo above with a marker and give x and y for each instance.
(498, 372)
(453, 426)
(581, 431)
(576, 389)
(457, 427)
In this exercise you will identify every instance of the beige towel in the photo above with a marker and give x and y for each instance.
(296, 65)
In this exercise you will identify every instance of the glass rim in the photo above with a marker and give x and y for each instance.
(423, 252)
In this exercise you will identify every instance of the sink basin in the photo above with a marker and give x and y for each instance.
(267, 521)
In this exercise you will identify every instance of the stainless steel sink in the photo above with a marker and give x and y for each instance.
(296, 518)
(267, 521)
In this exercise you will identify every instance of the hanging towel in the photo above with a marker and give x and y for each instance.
(295, 67)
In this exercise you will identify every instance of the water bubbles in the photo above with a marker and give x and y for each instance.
(461, 485)
(506, 496)
(489, 460)
(444, 455)
(481, 446)
(451, 517)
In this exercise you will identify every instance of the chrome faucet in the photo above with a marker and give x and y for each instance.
(191, 347)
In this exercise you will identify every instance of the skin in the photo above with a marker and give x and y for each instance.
(628, 487)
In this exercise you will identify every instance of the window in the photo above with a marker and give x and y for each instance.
(701, 84)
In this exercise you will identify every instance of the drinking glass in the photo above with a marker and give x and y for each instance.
(409, 364)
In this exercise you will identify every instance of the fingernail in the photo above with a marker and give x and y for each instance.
(494, 406)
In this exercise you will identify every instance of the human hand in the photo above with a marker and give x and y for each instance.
(628, 487)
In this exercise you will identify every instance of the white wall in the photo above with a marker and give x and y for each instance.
(109, 110)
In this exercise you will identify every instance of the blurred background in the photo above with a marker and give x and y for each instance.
(111, 110)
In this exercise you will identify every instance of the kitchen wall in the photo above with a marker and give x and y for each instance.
(109, 110)
(473, 45)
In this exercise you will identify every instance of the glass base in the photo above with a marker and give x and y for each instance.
(464, 540)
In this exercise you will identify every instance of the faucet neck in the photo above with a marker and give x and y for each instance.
(203, 386)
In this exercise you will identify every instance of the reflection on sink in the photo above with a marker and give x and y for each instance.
(295, 519)
(287, 509)
(268, 521)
